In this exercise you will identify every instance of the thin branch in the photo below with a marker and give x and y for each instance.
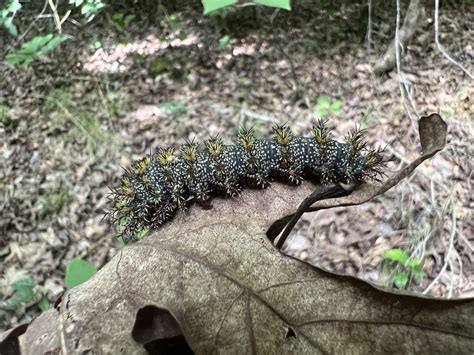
(440, 47)
(318, 195)
(369, 27)
(401, 80)
(448, 253)
(23, 35)
(282, 50)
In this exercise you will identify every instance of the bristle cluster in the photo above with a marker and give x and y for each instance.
(159, 185)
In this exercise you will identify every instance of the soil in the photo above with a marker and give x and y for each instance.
(71, 120)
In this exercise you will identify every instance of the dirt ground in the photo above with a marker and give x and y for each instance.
(72, 120)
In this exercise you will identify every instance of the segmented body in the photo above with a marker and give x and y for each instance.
(159, 185)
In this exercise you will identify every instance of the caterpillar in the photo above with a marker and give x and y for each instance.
(155, 187)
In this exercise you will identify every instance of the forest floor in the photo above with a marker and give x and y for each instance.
(109, 95)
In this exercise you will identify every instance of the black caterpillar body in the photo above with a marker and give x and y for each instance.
(160, 184)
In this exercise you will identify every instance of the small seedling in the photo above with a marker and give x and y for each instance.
(4, 115)
(37, 48)
(7, 14)
(122, 20)
(94, 45)
(401, 270)
(325, 107)
(224, 42)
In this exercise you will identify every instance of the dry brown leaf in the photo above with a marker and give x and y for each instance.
(214, 276)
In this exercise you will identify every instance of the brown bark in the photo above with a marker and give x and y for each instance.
(415, 14)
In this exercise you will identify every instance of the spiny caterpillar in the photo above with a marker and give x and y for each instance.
(155, 187)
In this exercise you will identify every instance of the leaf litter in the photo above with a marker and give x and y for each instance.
(249, 83)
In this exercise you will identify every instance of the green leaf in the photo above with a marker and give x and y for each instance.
(321, 112)
(322, 102)
(34, 49)
(336, 106)
(43, 304)
(76, 2)
(8, 23)
(418, 272)
(23, 291)
(36, 43)
(119, 243)
(15, 58)
(14, 6)
(413, 263)
(182, 35)
(397, 255)
(128, 19)
(78, 271)
(174, 19)
(224, 42)
(95, 45)
(142, 233)
(56, 41)
(400, 280)
(118, 17)
(283, 4)
(212, 5)
(27, 283)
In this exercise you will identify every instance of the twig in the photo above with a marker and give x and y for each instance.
(469, 245)
(410, 24)
(440, 47)
(57, 20)
(369, 27)
(405, 160)
(282, 50)
(448, 253)
(23, 35)
(318, 195)
(257, 116)
(401, 80)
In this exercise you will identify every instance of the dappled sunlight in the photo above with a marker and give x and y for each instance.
(119, 57)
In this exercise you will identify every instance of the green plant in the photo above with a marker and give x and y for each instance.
(224, 42)
(401, 269)
(78, 271)
(62, 110)
(37, 48)
(173, 25)
(94, 45)
(223, 12)
(213, 5)
(122, 20)
(7, 14)
(140, 234)
(89, 8)
(325, 107)
(4, 115)
(25, 292)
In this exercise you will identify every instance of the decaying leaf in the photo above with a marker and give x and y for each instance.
(213, 278)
